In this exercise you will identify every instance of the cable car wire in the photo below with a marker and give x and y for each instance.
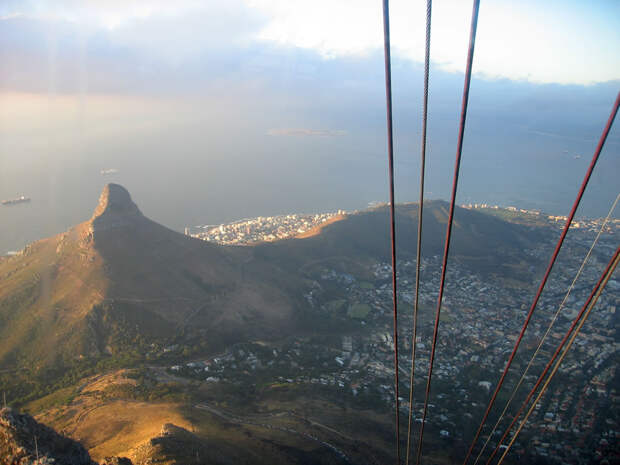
(457, 163)
(547, 332)
(390, 150)
(556, 252)
(596, 292)
(429, 6)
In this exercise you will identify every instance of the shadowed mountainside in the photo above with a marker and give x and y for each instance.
(120, 279)
(120, 276)
(482, 242)
(120, 282)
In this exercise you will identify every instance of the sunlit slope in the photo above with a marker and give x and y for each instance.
(46, 295)
(110, 415)
(120, 278)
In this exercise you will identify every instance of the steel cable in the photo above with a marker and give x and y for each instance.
(556, 252)
(457, 163)
(429, 5)
(582, 317)
(390, 149)
(542, 340)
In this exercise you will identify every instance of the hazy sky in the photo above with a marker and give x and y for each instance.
(215, 110)
(556, 41)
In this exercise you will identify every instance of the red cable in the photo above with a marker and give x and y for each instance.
(388, 99)
(555, 354)
(549, 267)
(457, 164)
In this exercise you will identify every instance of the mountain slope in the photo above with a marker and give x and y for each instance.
(120, 280)
(23, 440)
(120, 276)
(482, 242)
(118, 289)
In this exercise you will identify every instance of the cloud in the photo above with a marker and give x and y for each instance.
(542, 42)
(307, 132)
(54, 52)
(109, 14)
(556, 41)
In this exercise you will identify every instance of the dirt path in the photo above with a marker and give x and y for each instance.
(234, 419)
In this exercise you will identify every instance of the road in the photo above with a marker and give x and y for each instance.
(234, 419)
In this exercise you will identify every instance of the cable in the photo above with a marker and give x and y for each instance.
(457, 163)
(429, 6)
(543, 339)
(554, 356)
(598, 289)
(390, 147)
(548, 272)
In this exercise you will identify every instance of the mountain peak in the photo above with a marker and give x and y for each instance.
(115, 208)
(115, 199)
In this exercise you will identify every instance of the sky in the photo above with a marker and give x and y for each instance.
(217, 110)
(556, 41)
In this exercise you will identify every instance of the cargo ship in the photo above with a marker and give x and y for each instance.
(21, 199)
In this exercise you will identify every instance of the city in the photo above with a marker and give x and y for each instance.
(479, 324)
(263, 229)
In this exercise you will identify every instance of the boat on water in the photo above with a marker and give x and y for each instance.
(21, 199)
(108, 171)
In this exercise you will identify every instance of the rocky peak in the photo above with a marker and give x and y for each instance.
(115, 200)
(115, 208)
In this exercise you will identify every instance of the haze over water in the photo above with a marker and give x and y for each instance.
(197, 172)
(206, 130)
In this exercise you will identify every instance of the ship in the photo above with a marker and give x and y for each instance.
(21, 199)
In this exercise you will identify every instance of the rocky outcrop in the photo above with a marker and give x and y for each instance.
(114, 210)
(116, 461)
(178, 446)
(23, 440)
